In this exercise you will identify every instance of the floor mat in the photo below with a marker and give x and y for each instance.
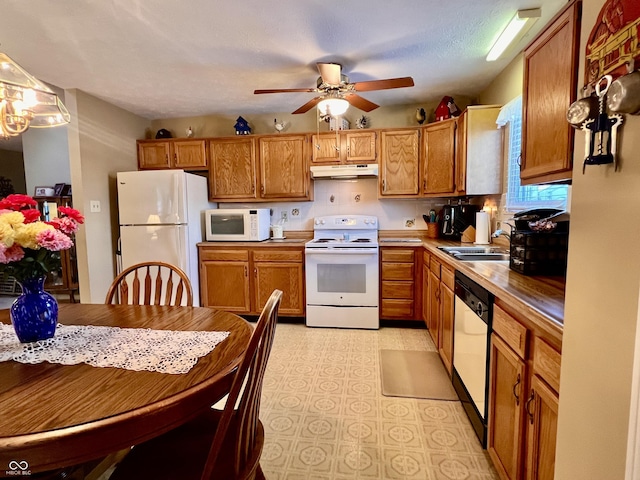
(416, 374)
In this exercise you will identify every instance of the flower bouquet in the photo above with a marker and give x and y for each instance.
(29, 250)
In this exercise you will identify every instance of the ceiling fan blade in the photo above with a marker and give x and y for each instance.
(383, 84)
(284, 90)
(330, 73)
(360, 102)
(308, 106)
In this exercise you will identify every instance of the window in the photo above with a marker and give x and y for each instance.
(523, 197)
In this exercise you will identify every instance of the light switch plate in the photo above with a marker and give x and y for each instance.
(95, 206)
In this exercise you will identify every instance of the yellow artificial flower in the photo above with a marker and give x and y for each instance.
(12, 218)
(7, 234)
(26, 234)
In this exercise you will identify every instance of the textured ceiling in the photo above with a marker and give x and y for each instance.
(166, 58)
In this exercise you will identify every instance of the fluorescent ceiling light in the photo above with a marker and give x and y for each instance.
(521, 19)
(333, 106)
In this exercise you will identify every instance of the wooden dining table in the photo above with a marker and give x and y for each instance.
(54, 416)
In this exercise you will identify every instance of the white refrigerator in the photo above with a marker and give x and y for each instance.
(161, 217)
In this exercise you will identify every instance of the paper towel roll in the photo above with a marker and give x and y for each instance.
(482, 228)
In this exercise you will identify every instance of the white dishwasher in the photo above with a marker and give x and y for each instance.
(472, 342)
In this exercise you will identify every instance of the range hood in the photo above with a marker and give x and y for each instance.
(344, 171)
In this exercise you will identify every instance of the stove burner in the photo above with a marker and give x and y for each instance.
(323, 240)
(361, 240)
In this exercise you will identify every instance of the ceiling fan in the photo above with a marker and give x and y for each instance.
(333, 85)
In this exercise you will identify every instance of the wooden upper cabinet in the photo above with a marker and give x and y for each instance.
(344, 147)
(399, 163)
(284, 167)
(439, 147)
(190, 154)
(325, 148)
(232, 168)
(550, 79)
(161, 154)
(152, 155)
(361, 147)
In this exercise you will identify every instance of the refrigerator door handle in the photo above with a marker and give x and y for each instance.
(178, 204)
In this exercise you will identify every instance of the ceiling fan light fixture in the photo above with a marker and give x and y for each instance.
(522, 19)
(333, 106)
(26, 102)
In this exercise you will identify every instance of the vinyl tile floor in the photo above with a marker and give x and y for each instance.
(325, 417)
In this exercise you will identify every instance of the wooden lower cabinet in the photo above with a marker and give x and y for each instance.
(398, 270)
(426, 258)
(241, 280)
(447, 303)
(434, 301)
(523, 400)
(224, 280)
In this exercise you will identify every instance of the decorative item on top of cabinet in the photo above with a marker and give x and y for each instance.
(400, 279)
(399, 163)
(172, 153)
(438, 158)
(284, 167)
(550, 81)
(344, 146)
(232, 169)
(478, 152)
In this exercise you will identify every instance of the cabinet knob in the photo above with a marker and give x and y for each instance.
(533, 394)
(246, 271)
(384, 187)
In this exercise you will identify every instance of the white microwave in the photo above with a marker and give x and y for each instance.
(237, 224)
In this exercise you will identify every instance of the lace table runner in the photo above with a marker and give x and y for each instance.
(164, 351)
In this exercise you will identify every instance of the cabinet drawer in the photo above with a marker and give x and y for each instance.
(276, 255)
(397, 255)
(224, 255)
(397, 289)
(396, 308)
(510, 330)
(426, 258)
(546, 363)
(448, 277)
(435, 267)
(397, 271)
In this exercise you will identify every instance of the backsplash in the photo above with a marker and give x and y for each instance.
(357, 196)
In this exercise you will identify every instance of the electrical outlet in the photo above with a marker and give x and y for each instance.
(295, 212)
(284, 216)
(94, 206)
(409, 222)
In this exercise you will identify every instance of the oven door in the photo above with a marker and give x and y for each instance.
(342, 276)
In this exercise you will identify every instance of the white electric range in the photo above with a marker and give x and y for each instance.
(342, 272)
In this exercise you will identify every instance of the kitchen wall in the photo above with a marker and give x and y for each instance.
(12, 167)
(102, 142)
(358, 196)
(597, 430)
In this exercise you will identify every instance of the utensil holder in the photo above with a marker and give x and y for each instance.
(433, 231)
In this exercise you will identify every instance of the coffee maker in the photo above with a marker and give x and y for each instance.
(456, 218)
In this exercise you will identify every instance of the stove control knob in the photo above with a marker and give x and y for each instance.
(321, 222)
(372, 221)
(366, 221)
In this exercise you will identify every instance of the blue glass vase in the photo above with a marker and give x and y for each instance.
(34, 314)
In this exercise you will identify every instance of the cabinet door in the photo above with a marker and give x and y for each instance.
(550, 76)
(439, 158)
(434, 308)
(461, 154)
(325, 148)
(232, 169)
(426, 298)
(506, 409)
(361, 147)
(189, 154)
(154, 155)
(446, 326)
(399, 163)
(225, 285)
(284, 276)
(542, 410)
(284, 168)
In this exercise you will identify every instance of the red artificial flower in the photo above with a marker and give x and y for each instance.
(71, 213)
(17, 201)
(31, 215)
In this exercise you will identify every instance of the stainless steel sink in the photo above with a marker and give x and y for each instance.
(477, 253)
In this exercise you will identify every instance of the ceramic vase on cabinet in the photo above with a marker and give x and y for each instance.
(34, 314)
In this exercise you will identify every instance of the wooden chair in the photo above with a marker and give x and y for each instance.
(223, 444)
(148, 286)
